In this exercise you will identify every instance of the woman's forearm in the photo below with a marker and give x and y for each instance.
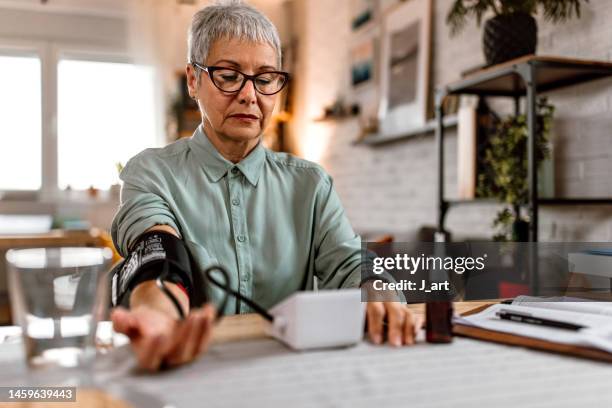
(149, 295)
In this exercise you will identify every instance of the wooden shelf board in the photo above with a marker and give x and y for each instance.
(575, 201)
(428, 128)
(541, 201)
(551, 73)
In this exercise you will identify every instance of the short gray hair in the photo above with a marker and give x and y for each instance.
(229, 19)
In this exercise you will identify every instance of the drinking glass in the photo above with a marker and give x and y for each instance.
(58, 295)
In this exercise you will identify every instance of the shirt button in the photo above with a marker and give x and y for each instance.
(234, 170)
(241, 238)
(244, 277)
(235, 201)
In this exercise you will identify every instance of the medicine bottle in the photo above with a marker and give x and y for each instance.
(439, 321)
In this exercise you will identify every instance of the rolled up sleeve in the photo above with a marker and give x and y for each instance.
(141, 205)
(338, 249)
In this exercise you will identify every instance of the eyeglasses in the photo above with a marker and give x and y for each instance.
(231, 80)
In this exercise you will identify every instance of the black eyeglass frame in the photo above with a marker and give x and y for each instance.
(210, 69)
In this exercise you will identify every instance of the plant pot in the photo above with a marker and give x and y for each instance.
(520, 231)
(507, 37)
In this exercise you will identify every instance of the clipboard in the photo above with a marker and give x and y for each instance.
(527, 342)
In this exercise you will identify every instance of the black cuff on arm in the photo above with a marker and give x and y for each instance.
(147, 260)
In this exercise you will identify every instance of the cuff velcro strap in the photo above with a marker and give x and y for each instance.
(156, 253)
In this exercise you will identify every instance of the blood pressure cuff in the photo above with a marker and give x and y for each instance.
(154, 254)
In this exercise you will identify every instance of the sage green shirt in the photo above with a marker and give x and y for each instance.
(273, 221)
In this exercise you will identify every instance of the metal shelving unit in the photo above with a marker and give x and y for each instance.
(526, 77)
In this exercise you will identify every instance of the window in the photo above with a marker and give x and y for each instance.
(20, 131)
(69, 115)
(106, 114)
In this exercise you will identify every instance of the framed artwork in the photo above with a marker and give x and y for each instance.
(362, 12)
(364, 59)
(405, 65)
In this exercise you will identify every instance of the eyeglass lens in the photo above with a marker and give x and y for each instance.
(230, 81)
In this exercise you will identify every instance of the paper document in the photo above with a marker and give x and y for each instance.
(597, 332)
(565, 303)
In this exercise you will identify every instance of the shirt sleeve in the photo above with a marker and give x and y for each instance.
(338, 256)
(141, 204)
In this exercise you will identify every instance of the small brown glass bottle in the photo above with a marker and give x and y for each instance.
(439, 321)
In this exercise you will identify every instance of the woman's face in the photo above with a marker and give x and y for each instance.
(241, 116)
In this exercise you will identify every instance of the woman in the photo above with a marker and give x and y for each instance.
(273, 220)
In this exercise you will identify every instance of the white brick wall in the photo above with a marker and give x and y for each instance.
(392, 187)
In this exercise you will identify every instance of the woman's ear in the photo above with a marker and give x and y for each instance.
(192, 80)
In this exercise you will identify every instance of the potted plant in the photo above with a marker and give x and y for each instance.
(115, 189)
(506, 159)
(513, 31)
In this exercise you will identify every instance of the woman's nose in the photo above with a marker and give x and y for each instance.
(247, 94)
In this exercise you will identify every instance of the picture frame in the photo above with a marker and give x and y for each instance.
(364, 75)
(362, 13)
(405, 67)
(364, 59)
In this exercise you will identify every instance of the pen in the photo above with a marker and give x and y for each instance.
(529, 319)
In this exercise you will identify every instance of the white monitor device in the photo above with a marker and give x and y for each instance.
(329, 318)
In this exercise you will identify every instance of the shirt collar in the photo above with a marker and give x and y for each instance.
(216, 166)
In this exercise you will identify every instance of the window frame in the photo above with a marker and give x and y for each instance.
(22, 48)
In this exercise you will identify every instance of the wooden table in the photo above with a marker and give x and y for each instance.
(54, 238)
(258, 372)
(252, 326)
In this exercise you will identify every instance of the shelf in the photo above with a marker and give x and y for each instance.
(527, 76)
(475, 201)
(336, 118)
(551, 73)
(575, 201)
(541, 201)
(428, 128)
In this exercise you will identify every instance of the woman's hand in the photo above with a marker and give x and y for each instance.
(159, 340)
(393, 319)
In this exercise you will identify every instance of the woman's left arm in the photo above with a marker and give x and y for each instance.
(338, 265)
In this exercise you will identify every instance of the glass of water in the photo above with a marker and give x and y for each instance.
(58, 295)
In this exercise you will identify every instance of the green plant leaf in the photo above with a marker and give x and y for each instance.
(507, 159)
